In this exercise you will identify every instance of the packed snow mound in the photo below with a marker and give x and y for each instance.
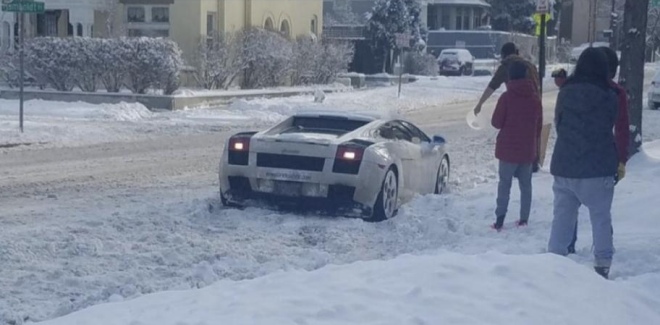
(444, 288)
(76, 110)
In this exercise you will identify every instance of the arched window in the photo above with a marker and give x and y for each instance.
(79, 29)
(268, 24)
(314, 25)
(69, 30)
(285, 29)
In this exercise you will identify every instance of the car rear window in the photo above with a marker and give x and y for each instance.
(324, 124)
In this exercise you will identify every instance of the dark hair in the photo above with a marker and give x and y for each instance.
(508, 49)
(612, 60)
(592, 67)
(517, 70)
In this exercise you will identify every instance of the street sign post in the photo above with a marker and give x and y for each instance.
(542, 8)
(22, 7)
(402, 42)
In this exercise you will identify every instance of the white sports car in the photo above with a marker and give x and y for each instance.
(359, 163)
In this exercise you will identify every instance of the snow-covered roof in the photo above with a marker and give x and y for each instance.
(480, 3)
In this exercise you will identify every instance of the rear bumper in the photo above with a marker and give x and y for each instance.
(339, 198)
(355, 193)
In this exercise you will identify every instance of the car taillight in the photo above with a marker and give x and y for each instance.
(239, 149)
(349, 157)
(239, 144)
(352, 153)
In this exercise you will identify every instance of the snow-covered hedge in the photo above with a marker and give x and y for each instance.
(266, 58)
(420, 63)
(65, 63)
(319, 63)
(258, 58)
(217, 61)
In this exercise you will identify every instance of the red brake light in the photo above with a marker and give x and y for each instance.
(351, 153)
(239, 144)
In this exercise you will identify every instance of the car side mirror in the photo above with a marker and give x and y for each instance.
(439, 139)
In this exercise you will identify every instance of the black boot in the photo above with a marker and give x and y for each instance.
(603, 271)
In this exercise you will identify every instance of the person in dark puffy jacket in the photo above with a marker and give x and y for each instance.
(621, 128)
(585, 161)
(519, 117)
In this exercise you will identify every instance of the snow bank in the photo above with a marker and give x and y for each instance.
(446, 288)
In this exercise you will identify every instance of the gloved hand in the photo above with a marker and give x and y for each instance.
(621, 172)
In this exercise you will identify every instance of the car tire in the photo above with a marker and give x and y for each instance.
(461, 71)
(442, 179)
(385, 207)
(655, 106)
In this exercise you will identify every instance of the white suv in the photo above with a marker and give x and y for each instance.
(456, 62)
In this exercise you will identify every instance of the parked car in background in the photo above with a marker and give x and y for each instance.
(459, 62)
(653, 96)
(349, 162)
(577, 51)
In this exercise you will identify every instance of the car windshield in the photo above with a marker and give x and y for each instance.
(324, 124)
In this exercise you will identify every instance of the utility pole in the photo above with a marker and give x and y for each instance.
(21, 64)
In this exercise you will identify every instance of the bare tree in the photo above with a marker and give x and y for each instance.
(113, 26)
(631, 76)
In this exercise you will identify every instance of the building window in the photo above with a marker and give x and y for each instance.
(285, 29)
(446, 20)
(466, 18)
(432, 18)
(160, 15)
(6, 35)
(210, 28)
(135, 14)
(459, 18)
(314, 25)
(79, 29)
(148, 21)
(268, 25)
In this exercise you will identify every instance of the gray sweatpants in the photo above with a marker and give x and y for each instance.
(596, 194)
(524, 174)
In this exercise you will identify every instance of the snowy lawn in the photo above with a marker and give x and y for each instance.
(461, 272)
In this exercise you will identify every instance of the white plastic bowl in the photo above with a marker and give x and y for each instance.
(475, 122)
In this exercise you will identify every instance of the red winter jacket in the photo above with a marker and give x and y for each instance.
(519, 117)
(622, 126)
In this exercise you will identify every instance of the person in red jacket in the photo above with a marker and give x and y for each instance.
(621, 127)
(519, 117)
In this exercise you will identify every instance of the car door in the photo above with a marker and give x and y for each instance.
(411, 156)
(428, 162)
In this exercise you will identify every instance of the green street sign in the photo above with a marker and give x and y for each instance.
(24, 6)
(655, 3)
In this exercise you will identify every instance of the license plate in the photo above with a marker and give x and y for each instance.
(284, 175)
(288, 188)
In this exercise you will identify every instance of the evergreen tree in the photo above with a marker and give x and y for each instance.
(512, 15)
(388, 17)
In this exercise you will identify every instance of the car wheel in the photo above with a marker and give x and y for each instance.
(655, 106)
(461, 71)
(443, 176)
(385, 206)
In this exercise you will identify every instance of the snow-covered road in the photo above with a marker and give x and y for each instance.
(103, 222)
